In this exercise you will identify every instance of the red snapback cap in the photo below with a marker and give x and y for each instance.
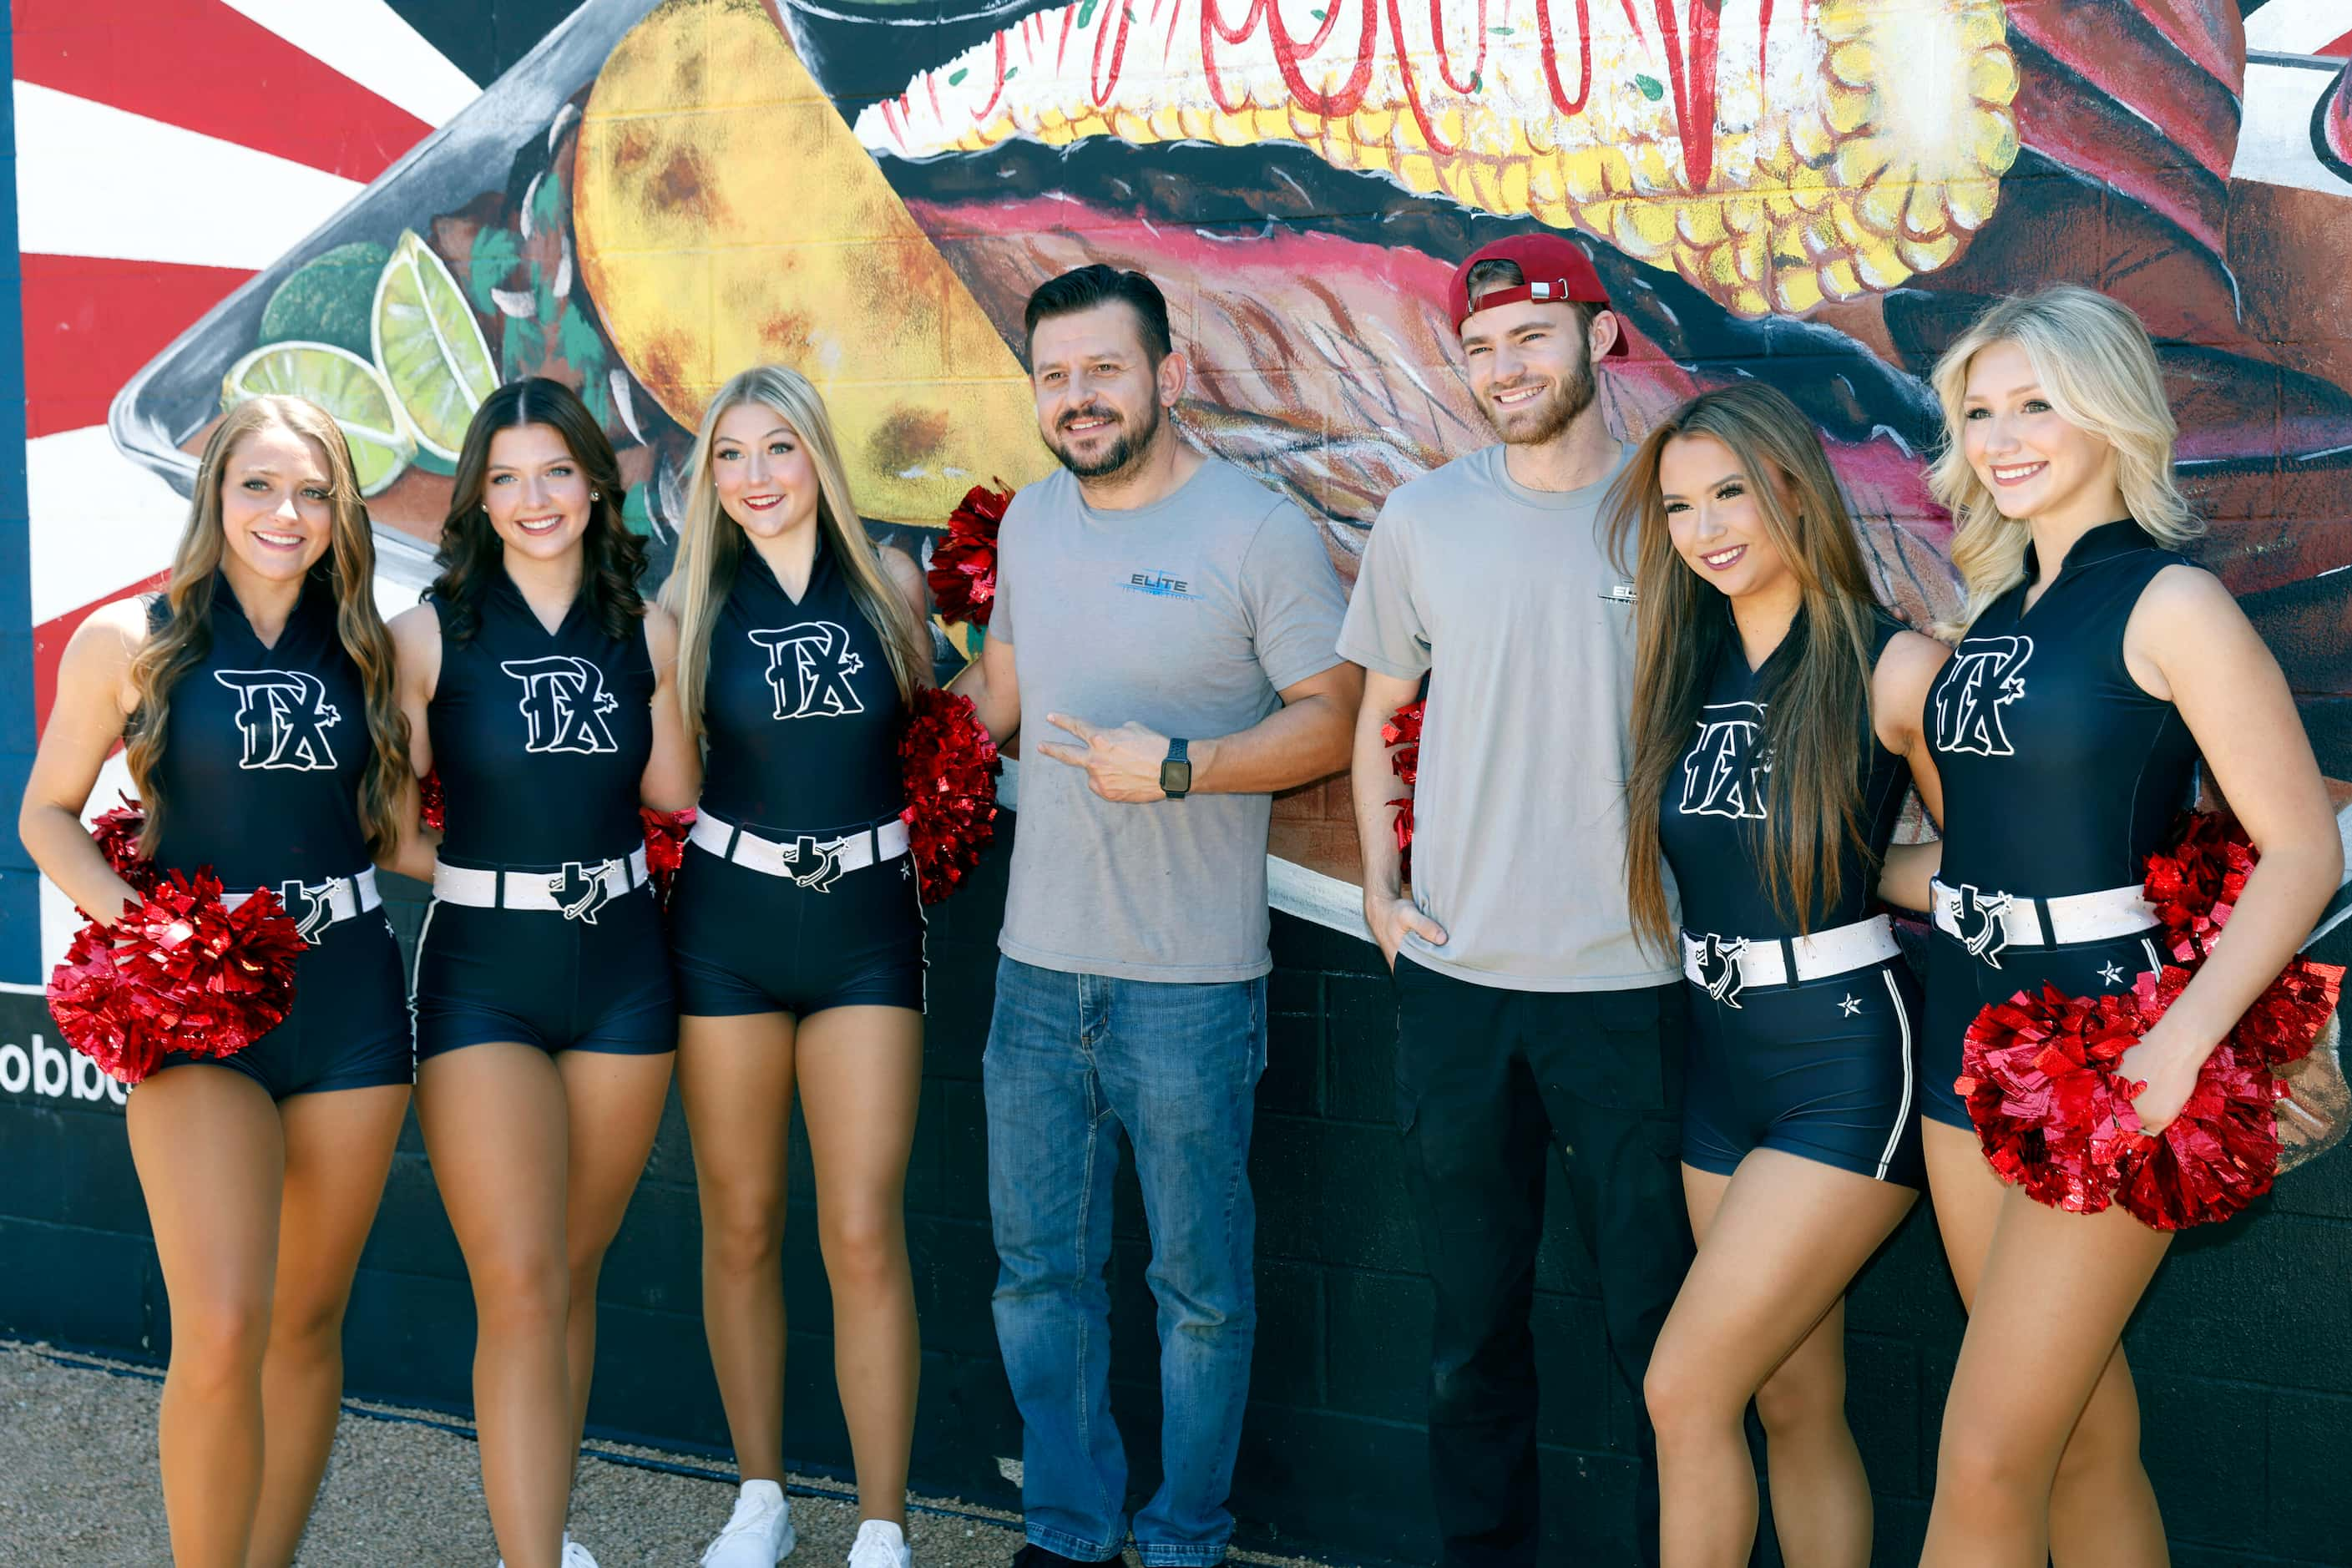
(1554, 268)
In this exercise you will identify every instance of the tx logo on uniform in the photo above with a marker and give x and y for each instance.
(581, 890)
(283, 717)
(564, 704)
(1723, 772)
(1986, 677)
(809, 667)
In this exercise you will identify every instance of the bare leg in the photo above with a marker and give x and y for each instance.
(212, 1162)
(494, 1120)
(614, 1104)
(861, 1076)
(2103, 1509)
(337, 1151)
(1779, 1241)
(735, 1080)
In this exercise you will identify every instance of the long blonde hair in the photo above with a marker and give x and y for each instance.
(709, 544)
(182, 641)
(2099, 372)
(1816, 709)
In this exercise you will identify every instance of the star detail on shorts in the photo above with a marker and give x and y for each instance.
(1850, 1007)
(2112, 974)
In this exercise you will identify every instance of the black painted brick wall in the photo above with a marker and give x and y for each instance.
(2243, 1349)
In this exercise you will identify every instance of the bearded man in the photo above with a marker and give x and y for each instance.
(1529, 1018)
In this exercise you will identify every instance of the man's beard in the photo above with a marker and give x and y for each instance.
(1122, 453)
(1533, 424)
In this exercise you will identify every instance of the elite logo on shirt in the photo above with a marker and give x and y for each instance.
(1983, 919)
(1159, 585)
(809, 667)
(1983, 680)
(1723, 772)
(580, 889)
(563, 703)
(311, 906)
(1720, 969)
(283, 716)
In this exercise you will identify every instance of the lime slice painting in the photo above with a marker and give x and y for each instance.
(342, 384)
(430, 349)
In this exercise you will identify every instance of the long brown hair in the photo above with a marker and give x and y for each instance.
(182, 640)
(1817, 700)
(709, 544)
(471, 549)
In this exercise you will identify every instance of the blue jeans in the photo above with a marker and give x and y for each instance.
(1072, 1058)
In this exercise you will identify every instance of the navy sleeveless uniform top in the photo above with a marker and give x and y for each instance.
(801, 710)
(1714, 810)
(541, 737)
(266, 748)
(2060, 774)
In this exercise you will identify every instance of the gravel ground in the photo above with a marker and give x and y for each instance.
(78, 1452)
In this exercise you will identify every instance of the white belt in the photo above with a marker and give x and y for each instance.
(810, 861)
(1986, 919)
(315, 906)
(1728, 964)
(577, 891)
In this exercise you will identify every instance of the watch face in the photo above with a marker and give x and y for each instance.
(1175, 778)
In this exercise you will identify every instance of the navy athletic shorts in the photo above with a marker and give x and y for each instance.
(744, 941)
(542, 979)
(1821, 1068)
(349, 1026)
(1959, 984)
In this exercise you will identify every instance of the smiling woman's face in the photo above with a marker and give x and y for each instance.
(761, 470)
(535, 492)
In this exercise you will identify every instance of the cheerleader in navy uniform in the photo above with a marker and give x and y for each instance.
(799, 936)
(2097, 666)
(1776, 730)
(537, 683)
(254, 696)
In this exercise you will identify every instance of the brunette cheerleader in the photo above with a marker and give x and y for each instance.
(1776, 725)
(537, 682)
(256, 699)
(799, 936)
(2097, 666)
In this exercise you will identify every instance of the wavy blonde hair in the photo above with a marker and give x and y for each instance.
(1817, 706)
(182, 641)
(2099, 371)
(709, 544)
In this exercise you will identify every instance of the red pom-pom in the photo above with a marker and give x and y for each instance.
(949, 765)
(2196, 882)
(962, 573)
(2038, 1074)
(117, 832)
(179, 972)
(432, 806)
(666, 835)
(2285, 1020)
(1402, 735)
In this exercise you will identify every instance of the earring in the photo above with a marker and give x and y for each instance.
(595, 495)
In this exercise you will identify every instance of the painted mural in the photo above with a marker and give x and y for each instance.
(640, 198)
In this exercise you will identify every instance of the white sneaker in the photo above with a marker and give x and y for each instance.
(575, 1554)
(880, 1544)
(758, 1535)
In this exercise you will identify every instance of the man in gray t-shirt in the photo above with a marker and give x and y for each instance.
(1164, 640)
(1529, 1018)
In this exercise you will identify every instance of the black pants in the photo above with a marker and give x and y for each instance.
(1489, 1082)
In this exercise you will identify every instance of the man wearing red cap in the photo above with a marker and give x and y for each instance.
(1529, 1015)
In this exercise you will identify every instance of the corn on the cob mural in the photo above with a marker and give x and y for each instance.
(1775, 156)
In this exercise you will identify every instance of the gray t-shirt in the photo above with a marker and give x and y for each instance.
(1187, 616)
(1507, 594)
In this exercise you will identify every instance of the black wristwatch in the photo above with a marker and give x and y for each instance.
(1176, 773)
